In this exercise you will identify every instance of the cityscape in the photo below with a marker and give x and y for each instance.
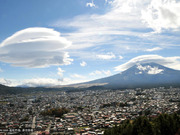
(89, 112)
(89, 67)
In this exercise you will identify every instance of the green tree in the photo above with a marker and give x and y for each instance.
(142, 126)
(166, 124)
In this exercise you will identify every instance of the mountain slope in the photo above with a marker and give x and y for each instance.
(142, 75)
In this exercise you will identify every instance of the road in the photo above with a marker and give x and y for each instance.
(49, 126)
(33, 122)
(33, 126)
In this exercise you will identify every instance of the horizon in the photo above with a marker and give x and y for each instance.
(51, 43)
(149, 68)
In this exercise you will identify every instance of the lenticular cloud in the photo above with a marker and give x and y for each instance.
(35, 48)
(171, 62)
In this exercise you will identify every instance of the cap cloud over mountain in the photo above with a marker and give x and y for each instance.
(142, 75)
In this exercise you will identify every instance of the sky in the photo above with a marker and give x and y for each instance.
(60, 42)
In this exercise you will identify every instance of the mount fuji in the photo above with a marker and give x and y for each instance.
(144, 75)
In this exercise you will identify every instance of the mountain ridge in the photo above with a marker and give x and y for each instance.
(146, 75)
(142, 75)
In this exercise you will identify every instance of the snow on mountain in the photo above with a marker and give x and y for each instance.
(149, 69)
(142, 75)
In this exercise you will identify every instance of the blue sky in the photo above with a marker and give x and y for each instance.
(59, 42)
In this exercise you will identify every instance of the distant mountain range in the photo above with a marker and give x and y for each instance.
(141, 75)
(146, 75)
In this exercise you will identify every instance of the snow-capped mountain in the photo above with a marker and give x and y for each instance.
(149, 69)
(142, 75)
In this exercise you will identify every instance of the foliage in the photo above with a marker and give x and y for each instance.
(164, 124)
(26, 118)
(58, 112)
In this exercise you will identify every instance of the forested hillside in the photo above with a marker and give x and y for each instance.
(164, 124)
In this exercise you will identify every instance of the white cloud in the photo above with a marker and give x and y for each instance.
(67, 81)
(171, 62)
(107, 72)
(83, 64)
(107, 56)
(90, 4)
(153, 49)
(8, 82)
(47, 82)
(96, 29)
(103, 72)
(60, 72)
(41, 82)
(112, 28)
(77, 76)
(108, 1)
(35, 48)
(120, 57)
(162, 14)
(97, 72)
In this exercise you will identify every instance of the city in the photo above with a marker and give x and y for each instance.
(89, 67)
(89, 111)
